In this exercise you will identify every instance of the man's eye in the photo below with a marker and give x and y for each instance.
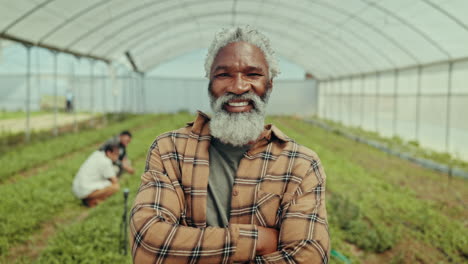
(254, 74)
(222, 74)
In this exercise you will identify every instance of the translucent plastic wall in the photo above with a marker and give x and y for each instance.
(427, 104)
(100, 87)
(97, 94)
(130, 92)
(28, 76)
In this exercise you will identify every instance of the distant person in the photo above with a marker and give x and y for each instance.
(122, 163)
(69, 105)
(97, 180)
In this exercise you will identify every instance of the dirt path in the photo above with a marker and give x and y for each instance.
(42, 122)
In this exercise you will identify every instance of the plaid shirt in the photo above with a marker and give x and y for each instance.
(279, 184)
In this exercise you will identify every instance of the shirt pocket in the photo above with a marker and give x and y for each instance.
(266, 209)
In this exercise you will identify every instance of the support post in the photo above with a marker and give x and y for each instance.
(129, 92)
(28, 93)
(55, 131)
(123, 103)
(361, 122)
(104, 99)
(448, 108)
(91, 86)
(341, 106)
(351, 101)
(113, 88)
(418, 104)
(79, 92)
(317, 112)
(324, 100)
(104, 85)
(134, 93)
(395, 103)
(377, 101)
(75, 98)
(38, 79)
(143, 92)
(335, 95)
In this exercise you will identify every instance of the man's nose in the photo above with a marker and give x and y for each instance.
(239, 85)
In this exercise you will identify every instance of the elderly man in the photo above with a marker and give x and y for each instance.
(229, 189)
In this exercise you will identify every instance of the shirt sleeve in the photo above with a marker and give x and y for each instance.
(158, 235)
(304, 236)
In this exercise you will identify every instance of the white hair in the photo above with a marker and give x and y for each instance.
(245, 34)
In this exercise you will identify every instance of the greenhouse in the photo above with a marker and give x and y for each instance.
(377, 88)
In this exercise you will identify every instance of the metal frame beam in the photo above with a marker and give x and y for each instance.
(51, 48)
(132, 61)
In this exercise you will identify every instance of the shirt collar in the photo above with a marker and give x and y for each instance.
(271, 132)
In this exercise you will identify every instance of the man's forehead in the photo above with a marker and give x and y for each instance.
(240, 48)
(240, 52)
(223, 67)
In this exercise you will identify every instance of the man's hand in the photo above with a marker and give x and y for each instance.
(126, 165)
(267, 240)
(114, 180)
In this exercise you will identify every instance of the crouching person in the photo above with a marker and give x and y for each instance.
(97, 179)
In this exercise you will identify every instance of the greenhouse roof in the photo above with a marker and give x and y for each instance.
(327, 38)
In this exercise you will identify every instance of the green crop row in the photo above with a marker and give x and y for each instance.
(96, 239)
(35, 200)
(38, 153)
(383, 211)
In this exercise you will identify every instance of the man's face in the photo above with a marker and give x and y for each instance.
(239, 68)
(239, 90)
(113, 155)
(125, 140)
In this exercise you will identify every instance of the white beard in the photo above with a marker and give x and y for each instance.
(238, 129)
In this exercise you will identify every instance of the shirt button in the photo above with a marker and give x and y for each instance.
(235, 192)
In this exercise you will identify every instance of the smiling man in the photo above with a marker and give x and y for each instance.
(229, 189)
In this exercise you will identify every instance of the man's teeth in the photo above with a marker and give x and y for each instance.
(238, 103)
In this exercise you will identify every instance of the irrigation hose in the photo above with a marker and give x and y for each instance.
(340, 256)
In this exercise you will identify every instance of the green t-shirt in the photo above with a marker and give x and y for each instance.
(224, 161)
